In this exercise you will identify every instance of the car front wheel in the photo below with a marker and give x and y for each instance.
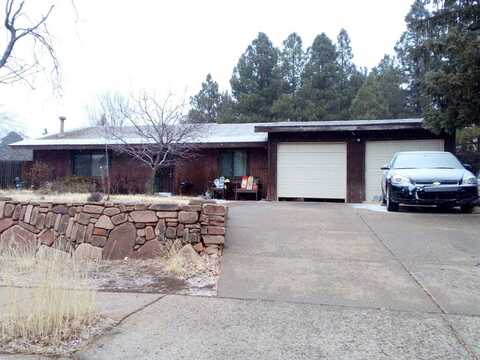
(467, 209)
(391, 205)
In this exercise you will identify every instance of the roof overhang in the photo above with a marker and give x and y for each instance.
(86, 146)
(341, 126)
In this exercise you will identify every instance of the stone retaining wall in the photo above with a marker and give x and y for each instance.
(114, 230)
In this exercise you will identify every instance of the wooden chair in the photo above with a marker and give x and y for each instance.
(249, 185)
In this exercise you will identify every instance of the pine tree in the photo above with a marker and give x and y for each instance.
(381, 96)
(291, 64)
(390, 79)
(226, 110)
(256, 82)
(452, 87)
(206, 103)
(318, 96)
(350, 79)
(369, 103)
(415, 60)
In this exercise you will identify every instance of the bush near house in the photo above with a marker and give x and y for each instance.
(40, 173)
(72, 184)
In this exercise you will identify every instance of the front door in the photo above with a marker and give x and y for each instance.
(164, 180)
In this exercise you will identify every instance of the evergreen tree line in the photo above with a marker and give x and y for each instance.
(435, 74)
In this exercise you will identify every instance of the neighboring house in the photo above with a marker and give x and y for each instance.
(8, 153)
(311, 160)
(13, 162)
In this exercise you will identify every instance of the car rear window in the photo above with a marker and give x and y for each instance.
(426, 161)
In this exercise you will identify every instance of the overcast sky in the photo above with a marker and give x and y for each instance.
(170, 46)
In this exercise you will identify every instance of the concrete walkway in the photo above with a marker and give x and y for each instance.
(318, 281)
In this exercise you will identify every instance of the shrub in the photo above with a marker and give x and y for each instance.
(71, 184)
(125, 182)
(26, 174)
(95, 197)
(184, 261)
(40, 173)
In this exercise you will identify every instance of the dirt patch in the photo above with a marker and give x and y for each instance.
(151, 276)
(145, 276)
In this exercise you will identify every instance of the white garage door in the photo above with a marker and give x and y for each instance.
(379, 153)
(312, 170)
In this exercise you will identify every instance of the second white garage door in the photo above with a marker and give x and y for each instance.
(379, 153)
(312, 170)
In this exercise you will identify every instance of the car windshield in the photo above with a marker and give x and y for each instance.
(426, 161)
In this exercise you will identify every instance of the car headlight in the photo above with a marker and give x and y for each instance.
(400, 180)
(469, 179)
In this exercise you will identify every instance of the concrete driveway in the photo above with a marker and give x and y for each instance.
(336, 255)
(322, 281)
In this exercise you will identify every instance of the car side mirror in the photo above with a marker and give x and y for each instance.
(385, 167)
(468, 167)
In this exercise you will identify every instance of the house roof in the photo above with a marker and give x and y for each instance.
(209, 134)
(217, 134)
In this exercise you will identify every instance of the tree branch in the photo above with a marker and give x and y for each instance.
(15, 34)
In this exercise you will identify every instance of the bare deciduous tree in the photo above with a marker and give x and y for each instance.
(18, 28)
(151, 131)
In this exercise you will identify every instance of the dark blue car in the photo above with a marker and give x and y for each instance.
(429, 178)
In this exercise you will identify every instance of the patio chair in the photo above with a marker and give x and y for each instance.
(218, 188)
(249, 185)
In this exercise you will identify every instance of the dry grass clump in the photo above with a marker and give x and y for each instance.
(184, 261)
(56, 309)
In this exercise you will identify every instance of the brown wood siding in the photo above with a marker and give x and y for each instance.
(355, 171)
(198, 171)
(272, 169)
(258, 167)
(128, 175)
(58, 160)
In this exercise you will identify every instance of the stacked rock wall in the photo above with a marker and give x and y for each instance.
(117, 230)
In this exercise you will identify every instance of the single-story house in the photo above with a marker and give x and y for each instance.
(337, 160)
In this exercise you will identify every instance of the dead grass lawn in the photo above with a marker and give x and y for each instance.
(28, 195)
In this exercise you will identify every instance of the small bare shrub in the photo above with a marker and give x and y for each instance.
(58, 306)
(125, 182)
(40, 173)
(184, 261)
(95, 197)
(71, 184)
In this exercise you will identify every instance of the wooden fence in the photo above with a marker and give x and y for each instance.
(9, 170)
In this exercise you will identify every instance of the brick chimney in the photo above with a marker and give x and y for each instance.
(62, 125)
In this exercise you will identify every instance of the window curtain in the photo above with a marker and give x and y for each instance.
(239, 163)
(226, 161)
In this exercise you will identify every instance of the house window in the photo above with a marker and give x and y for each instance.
(233, 163)
(88, 164)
